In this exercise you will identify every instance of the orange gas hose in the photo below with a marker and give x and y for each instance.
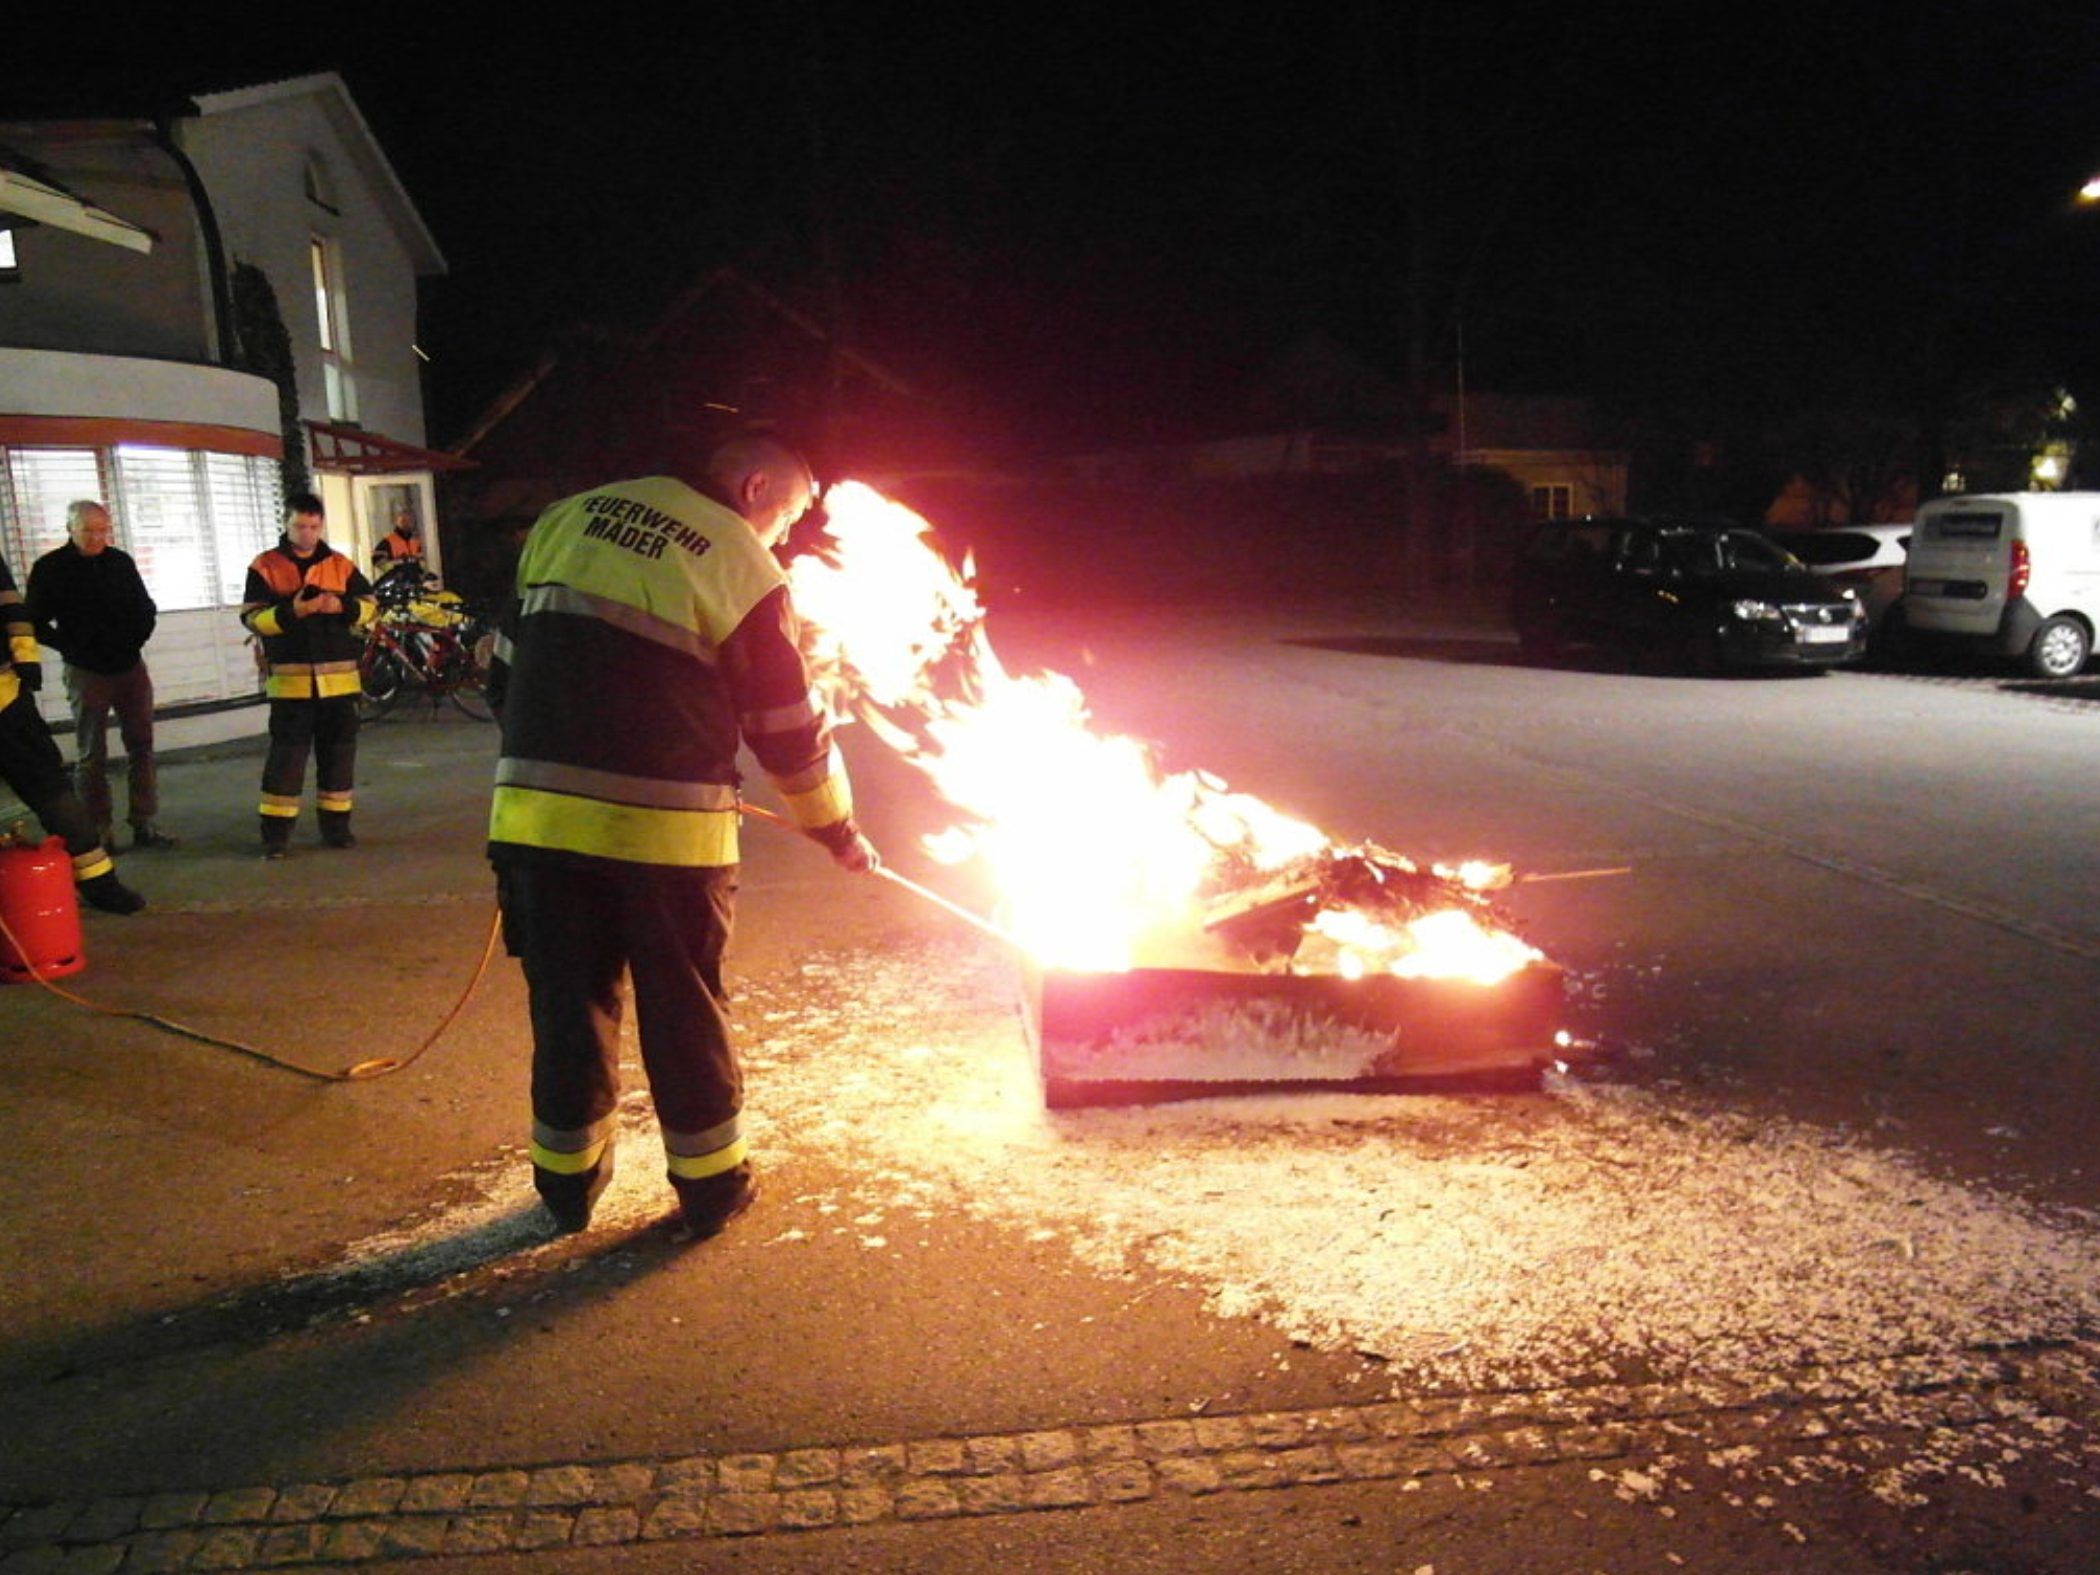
(357, 1072)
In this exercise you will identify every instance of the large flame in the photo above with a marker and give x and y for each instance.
(1102, 861)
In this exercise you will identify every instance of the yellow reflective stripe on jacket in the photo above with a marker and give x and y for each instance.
(688, 838)
(311, 681)
(261, 618)
(21, 646)
(824, 805)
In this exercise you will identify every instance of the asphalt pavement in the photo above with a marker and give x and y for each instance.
(260, 1315)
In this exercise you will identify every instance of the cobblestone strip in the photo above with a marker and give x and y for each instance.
(527, 1509)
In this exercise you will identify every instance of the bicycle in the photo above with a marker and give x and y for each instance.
(429, 641)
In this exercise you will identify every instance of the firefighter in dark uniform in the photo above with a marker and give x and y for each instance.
(650, 633)
(33, 769)
(310, 606)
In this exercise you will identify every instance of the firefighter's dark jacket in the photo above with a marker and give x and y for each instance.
(651, 631)
(315, 657)
(92, 608)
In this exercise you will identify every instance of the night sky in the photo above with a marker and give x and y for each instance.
(1083, 217)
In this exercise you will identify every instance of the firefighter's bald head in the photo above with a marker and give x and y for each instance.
(765, 481)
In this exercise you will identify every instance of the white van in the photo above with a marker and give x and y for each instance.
(2015, 573)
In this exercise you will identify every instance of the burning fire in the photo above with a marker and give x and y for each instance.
(1103, 862)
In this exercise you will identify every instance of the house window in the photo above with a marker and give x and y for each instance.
(340, 386)
(194, 521)
(35, 490)
(320, 185)
(1555, 501)
(246, 499)
(167, 524)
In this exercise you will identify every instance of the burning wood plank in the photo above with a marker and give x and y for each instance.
(1270, 916)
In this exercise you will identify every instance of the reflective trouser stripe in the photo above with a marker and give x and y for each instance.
(567, 1164)
(697, 1167)
(96, 861)
(569, 1153)
(332, 803)
(691, 838)
(286, 806)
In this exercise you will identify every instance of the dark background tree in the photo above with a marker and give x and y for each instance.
(266, 350)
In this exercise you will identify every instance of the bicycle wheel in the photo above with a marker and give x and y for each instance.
(471, 698)
(469, 686)
(381, 682)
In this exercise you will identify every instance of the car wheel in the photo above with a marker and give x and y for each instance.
(2059, 648)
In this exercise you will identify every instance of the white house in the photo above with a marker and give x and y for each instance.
(124, 364)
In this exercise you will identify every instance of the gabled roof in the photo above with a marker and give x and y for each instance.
(350, 122)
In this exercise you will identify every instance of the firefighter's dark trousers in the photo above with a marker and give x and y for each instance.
(31, 765)
(576, 929)
(328, 730)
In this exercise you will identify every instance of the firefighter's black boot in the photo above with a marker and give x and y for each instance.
(111, 895)
(713, 1201)
(276, 836)
(570, 1197)
(335, 828)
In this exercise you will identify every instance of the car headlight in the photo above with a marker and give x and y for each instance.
(1750, 610)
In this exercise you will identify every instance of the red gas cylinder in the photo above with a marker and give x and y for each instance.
(42, 914)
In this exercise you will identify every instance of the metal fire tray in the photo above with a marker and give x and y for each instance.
(1155, 1034)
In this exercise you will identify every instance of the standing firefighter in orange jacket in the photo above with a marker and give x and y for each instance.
(650, 634)
(310, 607)
(32, 767)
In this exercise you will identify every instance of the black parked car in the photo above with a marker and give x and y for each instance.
(1704, 595)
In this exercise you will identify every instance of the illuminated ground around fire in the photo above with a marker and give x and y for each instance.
(1588, 1235)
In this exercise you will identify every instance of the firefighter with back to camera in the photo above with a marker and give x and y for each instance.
(650, 633)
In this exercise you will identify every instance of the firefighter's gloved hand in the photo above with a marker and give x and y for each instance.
(857, 857)
(848, 848)
(30, 675)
